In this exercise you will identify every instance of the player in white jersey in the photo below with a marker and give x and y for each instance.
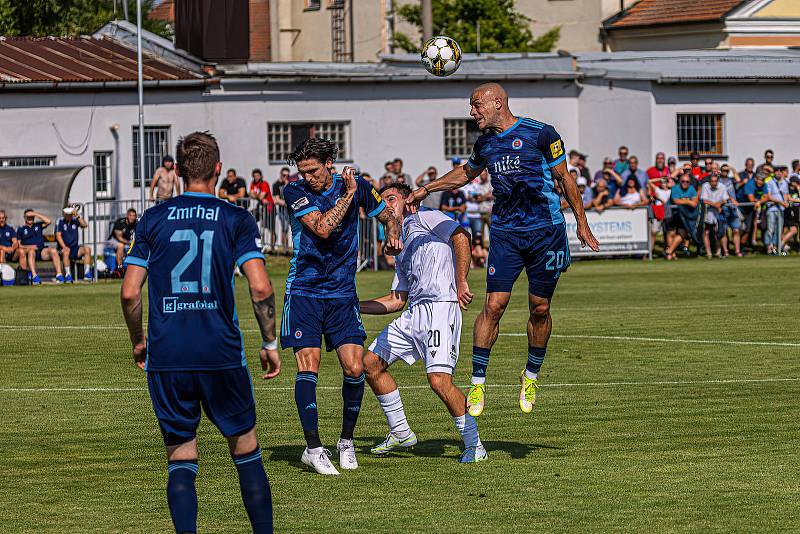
(431, 275)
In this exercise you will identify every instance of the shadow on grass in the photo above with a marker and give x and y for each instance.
(433, 448)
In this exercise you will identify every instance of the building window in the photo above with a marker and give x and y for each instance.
(702, 133)
(156, 146)
(283, 137)
(312, 5)
(102, 174)
(28, 161)
(459, 137)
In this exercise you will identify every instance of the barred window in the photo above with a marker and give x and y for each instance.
(702, 133)
(156, 146)
(459, 137)
(28, 161)
(102, 174)
(312, 5)
(283, 137)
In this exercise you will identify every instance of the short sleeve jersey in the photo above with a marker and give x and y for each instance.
(678, 192)
(7, 235)
(31, 235)
(326, 268)
(519, 162)
(69, 231)
(189, 245)
(123, 226)
(425, 268)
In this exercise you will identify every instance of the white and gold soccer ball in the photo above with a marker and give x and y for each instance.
(441, 55)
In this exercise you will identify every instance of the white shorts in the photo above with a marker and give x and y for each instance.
(430, 331)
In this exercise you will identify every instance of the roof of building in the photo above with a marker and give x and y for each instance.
(699, 66)
(81, 60)
(656, 12)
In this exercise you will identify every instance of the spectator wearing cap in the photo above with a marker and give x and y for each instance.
(621, 163)
(769, 157)
(67, 229)
(777, 191)
(636, 172)
(31, 245)
(165, 181)
(587, 196)
(682, 224)
(233, 188)
(791, 214)
(603, 199)
(672, 166)
(659, 169)
(9, 246)
(631, 195)
(694, 166)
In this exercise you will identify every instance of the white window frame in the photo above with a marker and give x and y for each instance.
(152, 158)
(456, 136)
(108, 167)
(280, 143)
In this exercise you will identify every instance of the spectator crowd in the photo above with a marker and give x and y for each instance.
(701, 206)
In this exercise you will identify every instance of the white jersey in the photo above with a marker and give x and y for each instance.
(426, 266)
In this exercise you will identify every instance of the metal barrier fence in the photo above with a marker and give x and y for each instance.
(273, 222)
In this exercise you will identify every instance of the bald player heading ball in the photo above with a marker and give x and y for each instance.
(525, 158)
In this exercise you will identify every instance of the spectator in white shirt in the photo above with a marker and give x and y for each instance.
(714, 196)
(631, 195)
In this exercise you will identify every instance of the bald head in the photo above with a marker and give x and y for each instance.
(489, 107)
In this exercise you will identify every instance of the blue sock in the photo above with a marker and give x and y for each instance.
(182, 495)
(305, 396)
(352, 393)
(480, 361)
(256, 495)
(535, 360)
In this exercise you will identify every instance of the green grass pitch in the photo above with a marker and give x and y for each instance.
(670, 402)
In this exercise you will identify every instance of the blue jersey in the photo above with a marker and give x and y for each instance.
(189, 245)
(69, 231)
(7, 235)
(519, 161)
(31, 235)
(326, 268)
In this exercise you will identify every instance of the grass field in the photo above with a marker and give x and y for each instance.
(670, 402)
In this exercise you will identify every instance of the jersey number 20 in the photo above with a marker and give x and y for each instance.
(191, 286)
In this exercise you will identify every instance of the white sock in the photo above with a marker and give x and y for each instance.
(395, 415)
(530, 375)
(478, 379)
(316, 450)
(468, 428)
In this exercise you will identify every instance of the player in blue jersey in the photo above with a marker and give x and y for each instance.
(186, 248)
(67, 230)
(321, 300)
(525, 159)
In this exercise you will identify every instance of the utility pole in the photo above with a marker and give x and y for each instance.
(427, 20)
(140, 86)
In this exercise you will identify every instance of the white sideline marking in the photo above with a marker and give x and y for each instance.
(507, 334)
(556, 385)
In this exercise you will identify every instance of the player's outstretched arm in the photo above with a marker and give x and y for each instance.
(391, 303)
(131, 299)
(573, 196)
(458, 177)
(263, 298)
(463, 253)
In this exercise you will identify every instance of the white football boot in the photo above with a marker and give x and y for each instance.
(347, 454)
(319, 461)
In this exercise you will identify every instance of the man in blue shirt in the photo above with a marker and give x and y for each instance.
(684, 199)
(67, 229)
(32, 249)
(193, 352)
(321, 298)
(9, 247)
(525, 158)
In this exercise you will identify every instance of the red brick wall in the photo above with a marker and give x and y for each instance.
(259, 30)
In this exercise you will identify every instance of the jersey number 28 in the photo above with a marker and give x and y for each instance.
(192, 286)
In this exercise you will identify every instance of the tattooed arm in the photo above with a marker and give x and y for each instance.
(323, 224)
(263, 298)
(570, 189)
(393, 244)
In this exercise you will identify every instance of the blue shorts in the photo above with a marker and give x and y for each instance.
(226, 397)
(544, 253)
(730, 218)
(73, 252)
(307, 319)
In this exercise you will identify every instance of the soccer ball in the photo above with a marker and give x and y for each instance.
(441, 55)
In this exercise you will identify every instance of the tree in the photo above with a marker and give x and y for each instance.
(65, 18)
(503, 29)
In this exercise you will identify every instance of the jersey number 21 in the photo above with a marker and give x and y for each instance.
(191, 286)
